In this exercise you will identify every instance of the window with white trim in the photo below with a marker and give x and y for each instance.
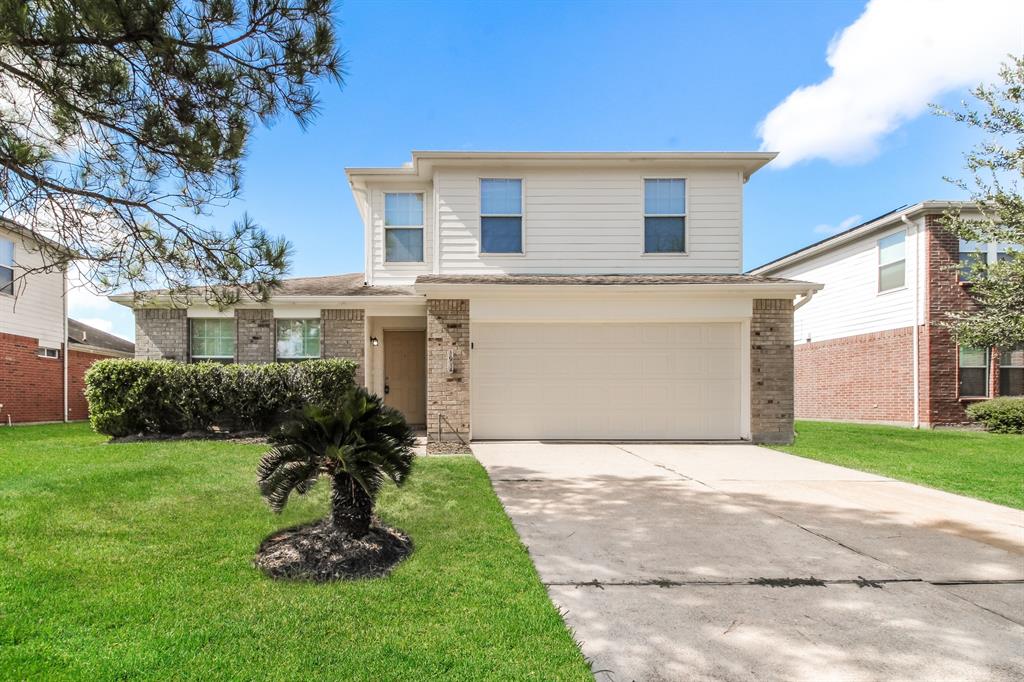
(892, 261)
(6, 266)
(974, 257)
(298, 339)
(212, 339)
(501, 215)
(973, 372)
(664, 215)
(48, 352)
(1011, 371)
(403, 227)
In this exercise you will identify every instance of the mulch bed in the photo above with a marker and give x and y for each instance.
(448, 448)
(241, 437)
(318, 553)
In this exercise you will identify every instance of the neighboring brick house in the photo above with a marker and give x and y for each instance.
(588, 296)
(889, 285)
(43, 355)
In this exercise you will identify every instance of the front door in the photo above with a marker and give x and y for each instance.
(405, 374)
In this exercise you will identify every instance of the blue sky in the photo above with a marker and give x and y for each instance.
(623, 76)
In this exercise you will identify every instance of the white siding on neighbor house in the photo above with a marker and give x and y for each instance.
(576, 220)
(385, 273)
(36, 309)
(850, 303)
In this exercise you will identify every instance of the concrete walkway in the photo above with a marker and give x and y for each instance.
(669, 562)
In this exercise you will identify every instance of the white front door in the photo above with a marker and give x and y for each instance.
(670, 381)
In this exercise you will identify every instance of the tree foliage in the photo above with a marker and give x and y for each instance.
(997, 168)
(358, 444)
(124, 123)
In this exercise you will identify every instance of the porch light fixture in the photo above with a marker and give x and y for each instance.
(374, 341)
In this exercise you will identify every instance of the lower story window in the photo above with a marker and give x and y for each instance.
(48, 352)
(298, 339)
(1011, 371)
(973, 372)
(212, 339)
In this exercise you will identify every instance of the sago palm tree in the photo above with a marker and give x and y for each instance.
(358, 445)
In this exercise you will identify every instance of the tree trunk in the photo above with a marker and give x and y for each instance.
(351, 507)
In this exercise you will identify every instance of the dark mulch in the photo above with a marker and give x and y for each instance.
(241, 437)
(447, 448)
(318, 553)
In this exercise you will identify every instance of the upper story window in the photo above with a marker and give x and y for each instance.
(212, 339)
(892, 261)
(665, 215)
(973, 372)
(6, 266)
(403, 227)
(1011, 371)
(298, 339)
(501, 215)
(973, 254)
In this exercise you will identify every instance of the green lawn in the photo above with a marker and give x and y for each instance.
(988, 466)
(133, 561)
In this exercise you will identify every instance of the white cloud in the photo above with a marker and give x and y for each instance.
(898, 56)
(841, 227)
(96, 310)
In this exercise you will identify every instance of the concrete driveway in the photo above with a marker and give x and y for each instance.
(694, 562)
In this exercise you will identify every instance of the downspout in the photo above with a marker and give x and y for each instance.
(917, 320)
(65, 345)
(808, 295)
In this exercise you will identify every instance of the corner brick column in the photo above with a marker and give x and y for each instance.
(161, 334)
(254, 335)
(343, 335)
(448, 368)
(771, 371)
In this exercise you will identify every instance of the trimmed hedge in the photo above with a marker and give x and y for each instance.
(128, 397)
(1002, 415)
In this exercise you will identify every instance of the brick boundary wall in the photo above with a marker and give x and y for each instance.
(868, 377)
(771, 371)
(31, 387)
(343, 335)
(254, 335)
(161, 334)
(448, 391)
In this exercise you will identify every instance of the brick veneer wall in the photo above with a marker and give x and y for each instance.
(31, 387)
(254, 335)
(941, 402)
(771, 371)
(343, 335)
(161, 334)
(448, 392)
(78, 363)
(868, 377)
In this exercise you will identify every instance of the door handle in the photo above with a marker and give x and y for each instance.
(387, 389)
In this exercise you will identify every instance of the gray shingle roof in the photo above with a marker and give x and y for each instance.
(350, 284)
(81, 333)
(604, 280)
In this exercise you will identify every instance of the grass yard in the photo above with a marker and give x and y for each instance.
(133, 561)
(988, 466)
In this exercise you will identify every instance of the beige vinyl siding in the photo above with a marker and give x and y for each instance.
(850, 303)
(579, 220)
(37, 309)
(398, 273)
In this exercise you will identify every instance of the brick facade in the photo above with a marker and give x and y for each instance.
(771, 371)
(78, 363)
(161, 334)
(843, 379)
(448, 367)
(343, 335)
(31, 387)
(254, 335)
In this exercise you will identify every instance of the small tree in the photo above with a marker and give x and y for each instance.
(997, 165)
(122, 124)
(358, 445)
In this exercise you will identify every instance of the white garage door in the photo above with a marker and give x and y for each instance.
(606, 381)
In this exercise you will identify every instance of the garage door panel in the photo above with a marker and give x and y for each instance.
(606, 381)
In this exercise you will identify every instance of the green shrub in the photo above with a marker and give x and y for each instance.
(1002, 415)
(159, 397)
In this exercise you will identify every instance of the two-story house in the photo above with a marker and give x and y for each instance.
(43, 354)
(537, 296)
(871, 346)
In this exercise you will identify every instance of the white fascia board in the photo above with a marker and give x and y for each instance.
(282, 301)
(758, 290)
